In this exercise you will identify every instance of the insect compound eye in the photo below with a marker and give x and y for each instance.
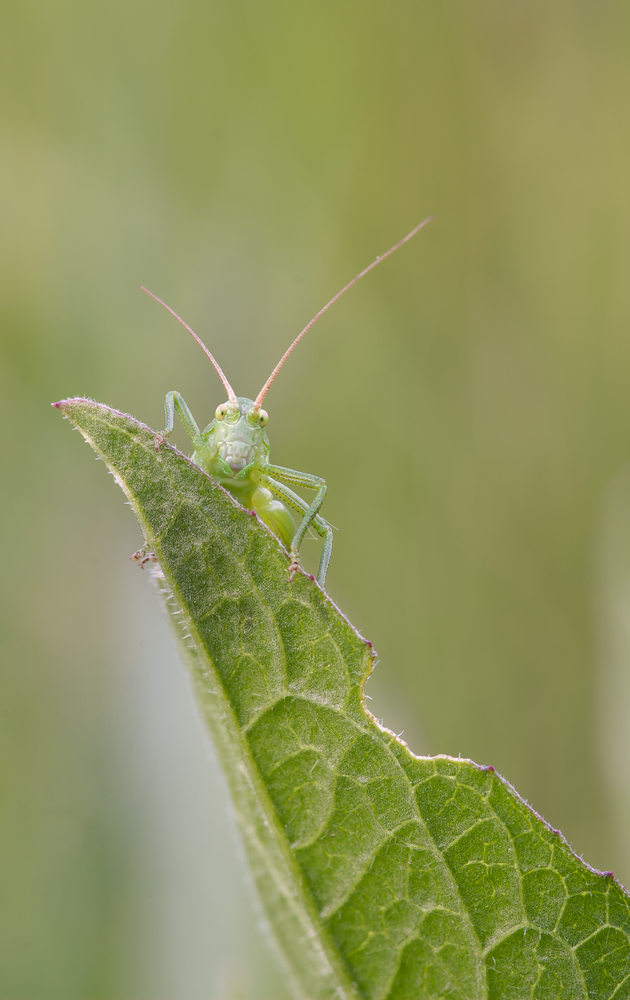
(221, 411)
(263, 418)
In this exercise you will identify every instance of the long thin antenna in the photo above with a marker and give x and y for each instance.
(228, 388)
(263, 392)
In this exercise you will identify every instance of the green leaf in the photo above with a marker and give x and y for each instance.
(383, 875)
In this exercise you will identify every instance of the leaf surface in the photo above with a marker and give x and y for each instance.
(384, 876)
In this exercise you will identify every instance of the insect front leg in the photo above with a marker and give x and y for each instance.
(175, 401)
(276, 477)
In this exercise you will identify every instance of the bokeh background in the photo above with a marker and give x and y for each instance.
(468, 404)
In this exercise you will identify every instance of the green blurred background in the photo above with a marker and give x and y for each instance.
(468, 404)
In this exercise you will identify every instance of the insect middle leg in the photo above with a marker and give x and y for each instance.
(274, 478)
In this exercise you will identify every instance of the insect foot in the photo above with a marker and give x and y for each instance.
(293, 568)
(158, 441)
(142, 557)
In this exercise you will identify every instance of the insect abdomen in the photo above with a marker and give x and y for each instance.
(274, 514)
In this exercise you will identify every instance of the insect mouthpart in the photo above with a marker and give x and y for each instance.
(236, 452)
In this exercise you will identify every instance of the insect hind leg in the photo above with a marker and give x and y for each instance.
(309, 517)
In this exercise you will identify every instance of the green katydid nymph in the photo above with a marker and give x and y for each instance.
(234, 449)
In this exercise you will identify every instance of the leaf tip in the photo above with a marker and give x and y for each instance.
(65, 404)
